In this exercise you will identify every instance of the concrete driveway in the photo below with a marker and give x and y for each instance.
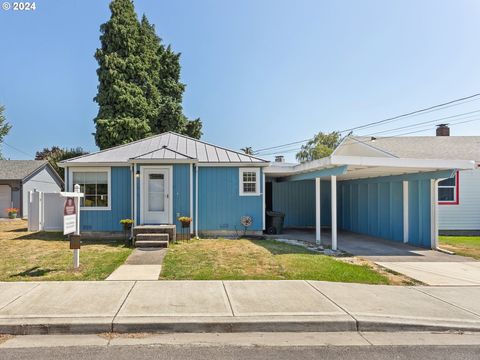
(428, 266)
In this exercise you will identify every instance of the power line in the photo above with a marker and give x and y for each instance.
(427, 110)
(17, 149)
(425, 122)
(383, 137)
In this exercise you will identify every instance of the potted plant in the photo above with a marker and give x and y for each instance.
(12, 213)
(185, 221)
(127, 226)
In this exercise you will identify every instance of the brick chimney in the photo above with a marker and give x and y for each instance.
(279, 159)
(443, 130)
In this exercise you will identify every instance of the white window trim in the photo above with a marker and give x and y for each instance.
(257, 181)
(108, 170)
(455, 191)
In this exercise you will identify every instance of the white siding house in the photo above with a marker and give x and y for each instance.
(463, 214)
(18, 177)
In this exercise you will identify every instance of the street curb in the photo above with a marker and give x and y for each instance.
(223, 325)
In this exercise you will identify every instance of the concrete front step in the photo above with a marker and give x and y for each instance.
(169, 229)
(152, 240)
(147, 243)
(152, 237)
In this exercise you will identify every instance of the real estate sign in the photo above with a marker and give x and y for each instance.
(69, 216)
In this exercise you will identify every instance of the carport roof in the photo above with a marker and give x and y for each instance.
(360, 167)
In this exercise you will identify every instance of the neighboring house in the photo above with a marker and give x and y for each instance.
(18, 177)
(158, 179)
(459, 196)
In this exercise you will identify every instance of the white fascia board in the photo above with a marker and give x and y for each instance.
(89, 164)
(300, 168)
(403, 162)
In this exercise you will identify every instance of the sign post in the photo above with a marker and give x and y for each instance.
(71, 222)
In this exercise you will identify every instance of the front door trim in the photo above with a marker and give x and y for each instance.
(143, 193)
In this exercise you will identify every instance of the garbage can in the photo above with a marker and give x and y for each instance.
(275, 222)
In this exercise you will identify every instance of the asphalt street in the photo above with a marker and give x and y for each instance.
(248, 353)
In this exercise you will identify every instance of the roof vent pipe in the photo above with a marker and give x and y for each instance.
(279, 159)
(443, 130)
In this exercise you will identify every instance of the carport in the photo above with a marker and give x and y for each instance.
(385, 197)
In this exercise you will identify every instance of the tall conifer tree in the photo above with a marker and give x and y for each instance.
(139, 90)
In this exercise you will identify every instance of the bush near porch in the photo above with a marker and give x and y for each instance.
(462, 245)
(34, 256)
(222, 259)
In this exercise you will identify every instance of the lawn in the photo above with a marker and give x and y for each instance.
(258, 259)
(27, 256)
(462, 245)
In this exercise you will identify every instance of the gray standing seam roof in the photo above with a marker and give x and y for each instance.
(167, 146)
(19, 169)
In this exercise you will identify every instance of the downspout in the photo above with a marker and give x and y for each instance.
(135, 220)
(196, 200)
(434, 214)
(132, 201)
(191, 197)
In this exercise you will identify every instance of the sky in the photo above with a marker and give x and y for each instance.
(259, 73)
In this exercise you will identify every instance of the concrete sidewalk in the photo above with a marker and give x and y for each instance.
(233, 306)
(142, 264)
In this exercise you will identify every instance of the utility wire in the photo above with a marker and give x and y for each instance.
(17, 149)
(437, 107)
(383, 137)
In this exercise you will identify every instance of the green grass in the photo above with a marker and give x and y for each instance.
(462, 245)
(27, 256)
(258, 259)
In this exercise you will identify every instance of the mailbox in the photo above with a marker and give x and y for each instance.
(75, 242)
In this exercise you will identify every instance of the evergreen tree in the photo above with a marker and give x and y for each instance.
(123, 108)
(4, 127)
(140, 92)
(164, 71)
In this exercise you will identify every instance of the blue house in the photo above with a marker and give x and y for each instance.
(359, 188)
(158, 179)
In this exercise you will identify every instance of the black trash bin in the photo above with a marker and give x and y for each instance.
(275, 221)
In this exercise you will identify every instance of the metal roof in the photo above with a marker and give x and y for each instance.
(167, 146)
(422, 147)
(19, 169)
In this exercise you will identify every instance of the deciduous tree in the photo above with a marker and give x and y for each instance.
(322, 145)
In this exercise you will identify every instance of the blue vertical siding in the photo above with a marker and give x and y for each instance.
(220, 206)
(181, 192)
(297, 200)
(419, 208)
(109, 220)
(371, 207)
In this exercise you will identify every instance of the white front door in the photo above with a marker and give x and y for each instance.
(156, 195)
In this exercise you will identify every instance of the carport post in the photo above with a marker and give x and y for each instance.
(334, 211)
(318, 235)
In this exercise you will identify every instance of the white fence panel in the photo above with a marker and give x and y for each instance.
(53, 211)
(45, 211)
(34, 215)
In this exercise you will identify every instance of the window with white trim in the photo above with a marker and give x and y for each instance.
(249, 181)
(448, 190)
(95, 186)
